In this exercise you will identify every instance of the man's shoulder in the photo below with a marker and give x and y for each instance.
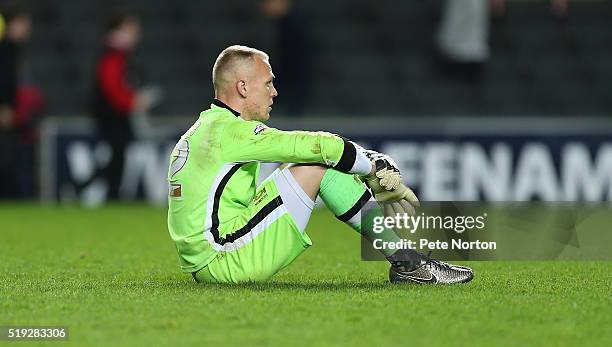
(217, 114)
(211, 121)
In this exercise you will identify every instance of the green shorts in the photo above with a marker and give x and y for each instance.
(272, 244)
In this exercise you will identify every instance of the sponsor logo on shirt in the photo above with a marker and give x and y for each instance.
(175, 190)
(259, 128)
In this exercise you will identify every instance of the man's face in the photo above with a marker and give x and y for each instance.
(131, 32)
(127, 35)
(274, 8)
(20, 29)
(261, 91)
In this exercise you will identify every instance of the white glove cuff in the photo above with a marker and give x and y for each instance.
(362, 165)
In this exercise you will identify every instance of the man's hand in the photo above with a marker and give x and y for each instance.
(396, 201)
(385, 181)
(384, 170)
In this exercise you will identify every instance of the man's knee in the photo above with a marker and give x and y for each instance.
(310, 171)
(308, 177)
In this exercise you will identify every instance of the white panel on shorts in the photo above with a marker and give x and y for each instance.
(297, 202)
(266, 170)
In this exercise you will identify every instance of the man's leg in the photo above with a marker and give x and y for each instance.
(309, 178)
(346, 197)
(274, 244)
(266, 237)
(342, 193)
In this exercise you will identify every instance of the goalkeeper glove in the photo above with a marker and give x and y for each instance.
(396, 201)
(387, 174)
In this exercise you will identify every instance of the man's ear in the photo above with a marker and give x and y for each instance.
(241, 88)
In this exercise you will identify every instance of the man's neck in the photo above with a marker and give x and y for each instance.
(232, 103)
(226, 103)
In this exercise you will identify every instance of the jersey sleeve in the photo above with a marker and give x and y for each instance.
(253, 141)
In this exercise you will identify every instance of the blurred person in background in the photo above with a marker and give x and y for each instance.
(462, 39)
(16, 166)
(293, 47)
(116, 99)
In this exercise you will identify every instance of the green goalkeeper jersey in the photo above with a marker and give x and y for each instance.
(213, 173)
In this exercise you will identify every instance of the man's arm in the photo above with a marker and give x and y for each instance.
(253, 141)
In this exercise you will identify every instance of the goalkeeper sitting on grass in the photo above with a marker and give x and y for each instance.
(228, 229)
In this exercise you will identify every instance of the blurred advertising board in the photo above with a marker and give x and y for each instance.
(443, 159)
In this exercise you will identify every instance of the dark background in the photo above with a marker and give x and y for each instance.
(365, 57)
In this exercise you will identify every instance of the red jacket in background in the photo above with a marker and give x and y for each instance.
(114, 97)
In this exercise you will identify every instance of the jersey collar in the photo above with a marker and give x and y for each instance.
(221, 104)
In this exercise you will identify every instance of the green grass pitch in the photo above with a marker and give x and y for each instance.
(111, 275)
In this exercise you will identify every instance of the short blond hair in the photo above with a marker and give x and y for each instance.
(231, 57)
